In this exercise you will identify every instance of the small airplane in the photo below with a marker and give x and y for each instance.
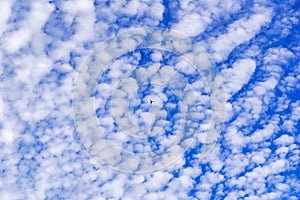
(151, 101)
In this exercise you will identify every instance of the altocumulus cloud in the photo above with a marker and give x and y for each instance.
(253, 44)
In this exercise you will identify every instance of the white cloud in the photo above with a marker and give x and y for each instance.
(284, 140)
(131, 8)
(5, 11)
(274, 56)
(236, 164)
(157, 181)
(237, 76)
(261, 135)
(237, 33)
(156, 10)
(85, 18)
(35, 101)
(260, 157)
(195, 16)
(30, 26)
(193, 24)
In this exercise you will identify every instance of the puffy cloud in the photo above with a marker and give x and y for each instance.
(42, 47)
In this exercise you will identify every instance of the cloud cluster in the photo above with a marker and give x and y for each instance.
(255, 47)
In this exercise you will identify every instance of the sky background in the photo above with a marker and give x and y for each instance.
(254, 45)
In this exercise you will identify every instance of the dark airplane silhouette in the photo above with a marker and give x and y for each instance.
(150, 101)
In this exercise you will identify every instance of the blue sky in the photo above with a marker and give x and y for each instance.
(75, 117)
